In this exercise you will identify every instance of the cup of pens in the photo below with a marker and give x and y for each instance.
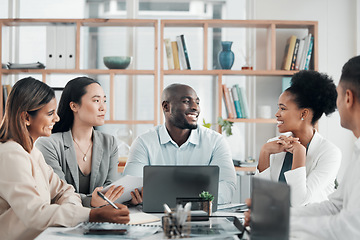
(176, 223)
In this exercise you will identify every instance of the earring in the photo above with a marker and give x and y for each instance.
(302, 119)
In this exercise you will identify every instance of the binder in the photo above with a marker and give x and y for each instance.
(51, 47)
(60, 47)
(70, 47)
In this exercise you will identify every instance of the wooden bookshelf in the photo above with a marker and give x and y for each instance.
(80, 23)
(271, 26)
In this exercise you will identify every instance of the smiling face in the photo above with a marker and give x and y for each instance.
(43, 122)
(184, 108)
(288, 114)
(92, 109)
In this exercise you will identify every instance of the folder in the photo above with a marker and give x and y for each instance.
(51, 47)
(60, 47)
(70, 47)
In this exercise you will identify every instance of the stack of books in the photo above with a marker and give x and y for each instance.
(298, 53)
(177, 54)
(235, 102)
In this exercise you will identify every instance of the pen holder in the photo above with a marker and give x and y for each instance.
(207, 207)
(173, 228)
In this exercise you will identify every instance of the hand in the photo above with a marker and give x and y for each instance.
(112, 194)
(247, 213)
(109, 214)
(136, 197)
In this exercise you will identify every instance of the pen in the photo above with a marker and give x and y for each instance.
(106, 199)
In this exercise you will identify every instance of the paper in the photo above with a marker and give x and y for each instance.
(129, 183)
(141, 218)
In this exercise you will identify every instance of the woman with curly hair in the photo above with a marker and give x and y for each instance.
(301, 157)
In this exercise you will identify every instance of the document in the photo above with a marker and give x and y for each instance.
(129, 183)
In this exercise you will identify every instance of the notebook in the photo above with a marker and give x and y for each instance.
(270, 210)
(164, 184)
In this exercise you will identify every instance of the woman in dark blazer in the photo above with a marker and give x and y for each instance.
(80, 155)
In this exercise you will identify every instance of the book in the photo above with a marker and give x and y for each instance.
(227, 100)
(175, 51)
(289, 50)
(308, 56)
(305, 51)
(129, 183)
(244, 103)
(232, 105)
(187, 60)
(240, 101)
(181, 53)
(142, 218)
(295, 53)
(236, 101)
(169, 54)
(299, 54)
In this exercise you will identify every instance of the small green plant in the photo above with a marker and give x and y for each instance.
(207, 125)
(206, 196)
(225, 126)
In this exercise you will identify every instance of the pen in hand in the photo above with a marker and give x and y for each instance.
(106, 199)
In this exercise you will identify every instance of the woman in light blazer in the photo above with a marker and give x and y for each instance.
(301, 157)
(32, 196)
(80, 155)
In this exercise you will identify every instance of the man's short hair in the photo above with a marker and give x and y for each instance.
(350, 76)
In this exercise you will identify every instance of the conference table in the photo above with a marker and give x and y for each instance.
(57, 233)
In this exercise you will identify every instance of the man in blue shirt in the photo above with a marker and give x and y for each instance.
(181, 141)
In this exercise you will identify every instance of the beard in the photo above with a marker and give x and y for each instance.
(180, 122)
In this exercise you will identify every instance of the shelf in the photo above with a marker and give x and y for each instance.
(82, 71)
(231, 72)
(94, 22)
(218, 23)
(82, 26)
(252, 120)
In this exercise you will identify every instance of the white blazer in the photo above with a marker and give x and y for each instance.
(315, 181)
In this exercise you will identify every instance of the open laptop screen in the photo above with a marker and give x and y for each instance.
(163, 184)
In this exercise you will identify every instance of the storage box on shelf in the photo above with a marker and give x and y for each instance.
(272, 68)
(79, 25)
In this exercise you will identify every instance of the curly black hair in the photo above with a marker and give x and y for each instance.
(315, 91)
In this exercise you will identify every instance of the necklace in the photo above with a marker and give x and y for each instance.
(84, 157)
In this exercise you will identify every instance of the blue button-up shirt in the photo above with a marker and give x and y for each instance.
(203, 147)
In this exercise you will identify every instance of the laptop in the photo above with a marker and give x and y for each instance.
(164, 184)
(270, 210)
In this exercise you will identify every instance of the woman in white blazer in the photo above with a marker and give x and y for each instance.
(301, 157)
(80, 155)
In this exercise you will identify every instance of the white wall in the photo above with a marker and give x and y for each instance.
(337, 43)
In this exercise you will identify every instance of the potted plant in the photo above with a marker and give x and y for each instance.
(208, 200)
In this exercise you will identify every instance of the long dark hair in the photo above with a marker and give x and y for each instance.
(73, 92)
(27, 95)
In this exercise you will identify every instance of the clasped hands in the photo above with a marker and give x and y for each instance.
(284, 144)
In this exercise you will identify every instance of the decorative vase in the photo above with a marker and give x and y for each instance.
(226, 56)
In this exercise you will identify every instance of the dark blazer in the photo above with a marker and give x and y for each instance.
(59, 153)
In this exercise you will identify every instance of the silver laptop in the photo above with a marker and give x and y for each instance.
(270, 210)
(164, 184)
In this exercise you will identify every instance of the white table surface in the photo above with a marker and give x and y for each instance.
(54, 233)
